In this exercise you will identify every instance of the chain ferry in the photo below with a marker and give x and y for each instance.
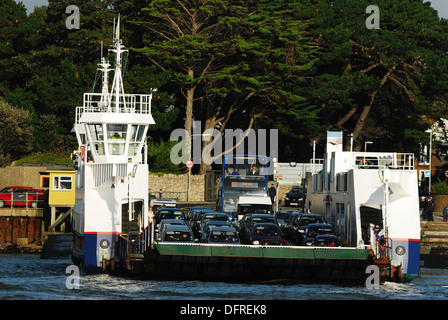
(112, 231)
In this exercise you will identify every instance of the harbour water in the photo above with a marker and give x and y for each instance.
(27, 277)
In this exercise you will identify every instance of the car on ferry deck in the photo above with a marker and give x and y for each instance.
(315, 229)
(168, 213)
(297, 227)
(249, 219)
(213, 215)
(283, 216)
(205, 230)
(223, 235)
(170, 222)
(193, 210)
(196, 219)
(261, 231)
(177, 234)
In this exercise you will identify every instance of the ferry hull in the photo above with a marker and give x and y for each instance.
(406, 253)
(253, 263)
(93, 251)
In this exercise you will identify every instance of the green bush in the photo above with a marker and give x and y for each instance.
(439, 187)
(45, 158)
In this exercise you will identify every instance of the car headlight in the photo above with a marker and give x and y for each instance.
(286, 198)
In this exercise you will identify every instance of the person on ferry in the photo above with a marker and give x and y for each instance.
(253, 171)
(445, 213)
(235, 172)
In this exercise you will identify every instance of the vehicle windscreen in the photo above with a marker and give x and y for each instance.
(320, 230)
(171, 214)
(215, 217)
(268, 218)
(224, 236)
(254, 208)
(178, 236)
(304, 221)
(267, 230)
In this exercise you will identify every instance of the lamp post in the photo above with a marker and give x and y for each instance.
(430, 157)
(365, 145)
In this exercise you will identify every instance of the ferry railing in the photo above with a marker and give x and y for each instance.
(27, 199)
(122, 248)
(379, 245)
(398, 161)
(128, 103)
(142, 242)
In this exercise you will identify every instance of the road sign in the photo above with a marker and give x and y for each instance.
(189, 164)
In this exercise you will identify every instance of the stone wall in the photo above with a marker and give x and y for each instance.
(175, 186)
(20, 176)
(172, 186)
(440, 201)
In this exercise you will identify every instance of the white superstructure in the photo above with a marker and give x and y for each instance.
(112, 173)
(357, 190)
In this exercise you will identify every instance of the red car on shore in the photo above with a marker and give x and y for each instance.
(21, 196)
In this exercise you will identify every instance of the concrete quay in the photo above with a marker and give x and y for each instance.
(434, 242)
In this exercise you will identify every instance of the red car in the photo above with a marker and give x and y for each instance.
(21, 196)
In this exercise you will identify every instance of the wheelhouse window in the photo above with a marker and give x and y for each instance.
(117, 138)
(97, 136)
(135, 139)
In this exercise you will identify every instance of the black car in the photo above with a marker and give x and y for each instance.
(196, 219)
(262, 231)
(296, 197)
(205, 230)
(315, 229)
(168, 213)
(177, 233)
(296, 229)
(250, 219)
(283, 217)
(223, 235)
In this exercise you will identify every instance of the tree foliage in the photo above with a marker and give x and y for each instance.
(15, 133)
(300, 66)
(381, 84)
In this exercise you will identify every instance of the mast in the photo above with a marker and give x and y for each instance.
(117, 84)
(103, 66)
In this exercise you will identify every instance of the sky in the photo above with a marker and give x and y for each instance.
(440, 5)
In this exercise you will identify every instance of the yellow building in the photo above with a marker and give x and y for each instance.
(61, 186)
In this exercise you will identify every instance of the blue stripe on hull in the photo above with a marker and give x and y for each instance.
(90, 250)
(94, 253)
(414, 257)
